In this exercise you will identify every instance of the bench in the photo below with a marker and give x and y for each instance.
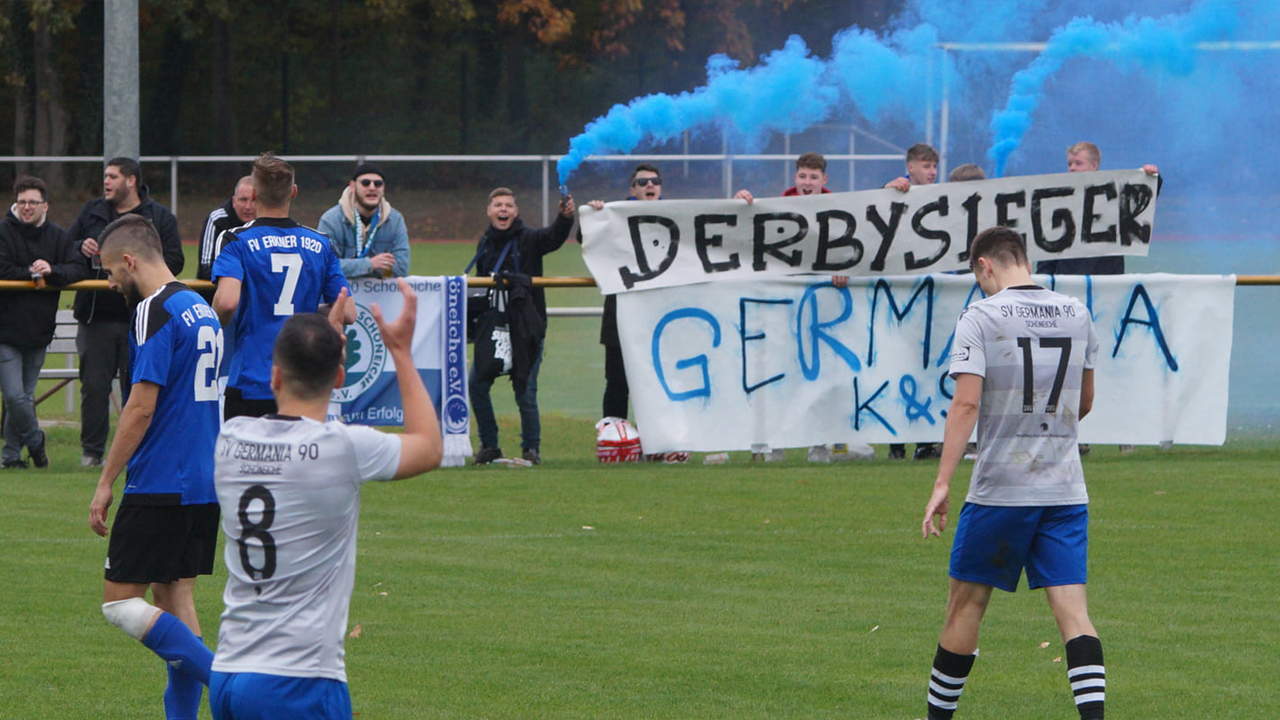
(64, 343)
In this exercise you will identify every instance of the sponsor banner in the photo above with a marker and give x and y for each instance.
(370, 394)
(638, 245)
(795, 362)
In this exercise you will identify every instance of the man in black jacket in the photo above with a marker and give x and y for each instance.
(520, 250)
(31, 248)
(237, 211)
(103, 337)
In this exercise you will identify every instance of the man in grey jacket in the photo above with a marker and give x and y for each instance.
(368, 235)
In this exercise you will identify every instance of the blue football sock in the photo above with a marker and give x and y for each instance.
(178, 646)
(182, 695)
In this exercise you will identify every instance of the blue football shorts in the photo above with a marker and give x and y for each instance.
(993, 545)
(255, 696)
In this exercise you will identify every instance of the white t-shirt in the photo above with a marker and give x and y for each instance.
(289, 489)
(1031, 347)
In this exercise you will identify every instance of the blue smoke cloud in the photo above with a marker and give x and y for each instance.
(786, 92)
(889, 78)
(1158, 46)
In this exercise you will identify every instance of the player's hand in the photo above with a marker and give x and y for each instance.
(744, 194)
(840, 281)
(938, 505)
(382, 262)
(337, 312)
(98, 509)
(398, 335)
(89, 247)
(900, 183)
(1150, 169)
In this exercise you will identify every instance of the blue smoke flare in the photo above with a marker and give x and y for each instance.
(1160, 46)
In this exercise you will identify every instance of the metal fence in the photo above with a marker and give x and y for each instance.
(546, 162)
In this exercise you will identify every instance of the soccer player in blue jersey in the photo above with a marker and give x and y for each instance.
(1023, 360)
(267, 271)
(166, 529)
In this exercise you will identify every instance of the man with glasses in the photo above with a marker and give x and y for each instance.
(646, 184)
(31, 248)
(368, 235)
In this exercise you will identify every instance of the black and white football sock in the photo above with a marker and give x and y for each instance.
(946, 682)
(1088, 676)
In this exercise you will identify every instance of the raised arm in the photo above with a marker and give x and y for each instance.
(421, 445)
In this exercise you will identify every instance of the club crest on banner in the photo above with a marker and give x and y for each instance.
(366, 356)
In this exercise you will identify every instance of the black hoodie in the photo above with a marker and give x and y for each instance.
(108, 305)
(28, 317)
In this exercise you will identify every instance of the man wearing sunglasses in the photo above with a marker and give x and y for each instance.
(646, 184)
(368, 235)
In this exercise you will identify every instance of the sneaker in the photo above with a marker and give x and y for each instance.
(820, 454)
(841, 452)
(90, 461)
(38, 456)
(18, 464)
(531, 454)
(486, 455)
(1084, 448)
(927, 451)
(897, 452)
(971, 451)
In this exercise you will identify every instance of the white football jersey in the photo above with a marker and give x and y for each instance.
(1031, 347)
(289, 489)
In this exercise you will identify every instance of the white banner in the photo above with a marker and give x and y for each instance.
(638, 245)
(795, 362)
(370, 395)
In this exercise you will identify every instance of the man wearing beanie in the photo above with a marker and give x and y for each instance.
(368, 235)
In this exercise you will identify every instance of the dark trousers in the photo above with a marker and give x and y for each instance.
(487, 421)
(235, 404)
(104, 354)
(616, 392)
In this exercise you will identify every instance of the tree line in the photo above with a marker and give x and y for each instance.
(375, 76)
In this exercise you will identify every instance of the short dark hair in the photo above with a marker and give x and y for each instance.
(812, 160)
(967, 172)
(642, 167)
(30, 182)
(272, 180)
(128, 167)
(922, 152)
(132, 233)
(308, 352)
(998, 244)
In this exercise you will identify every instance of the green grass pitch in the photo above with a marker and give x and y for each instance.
(738, 591)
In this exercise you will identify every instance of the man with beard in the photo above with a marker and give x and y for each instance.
(368, 235)
(31, 248)
(166, 528)
(267, 271)
(508, 246)
(102, 339)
